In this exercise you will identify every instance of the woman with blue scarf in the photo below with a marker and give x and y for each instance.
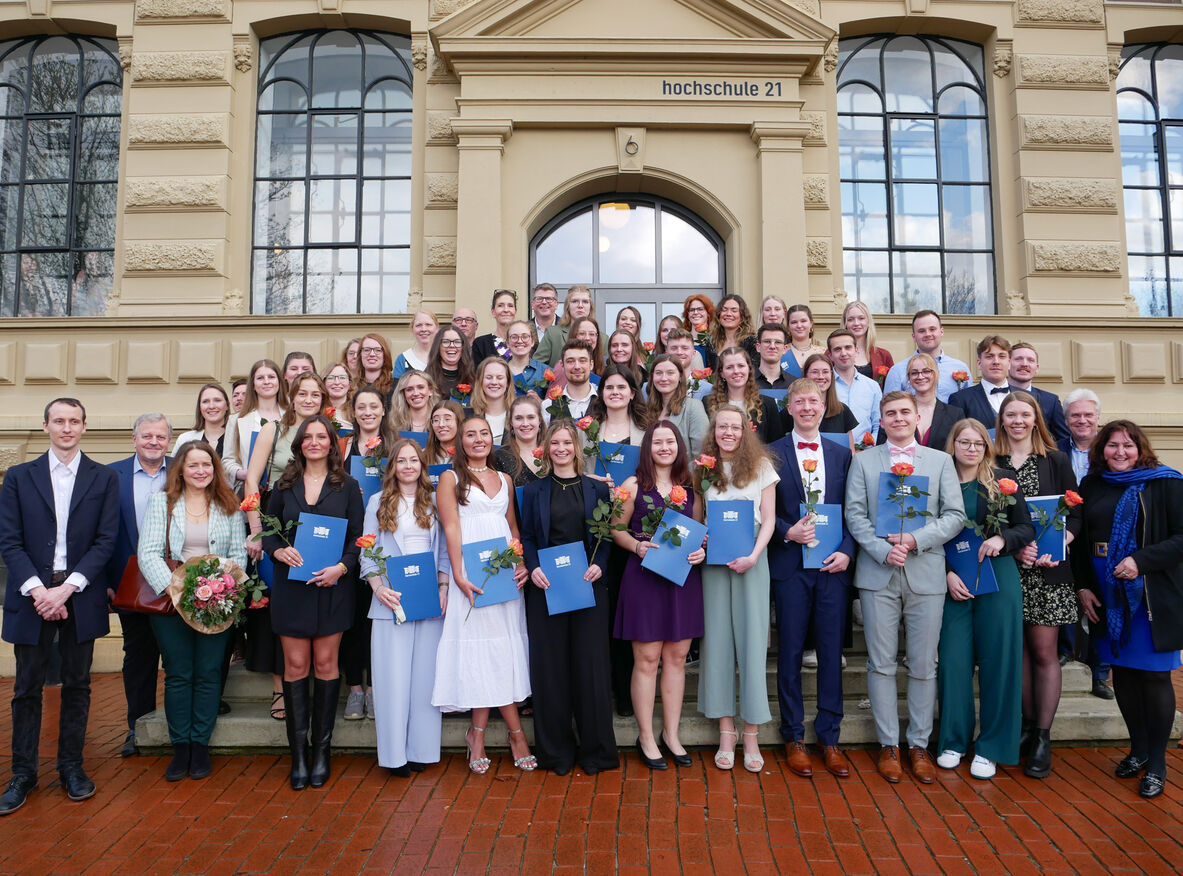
(1130, 583)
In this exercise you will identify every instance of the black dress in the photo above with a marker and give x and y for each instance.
(303, 610)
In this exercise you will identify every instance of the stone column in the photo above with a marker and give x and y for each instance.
(480, 143)
(784, 265)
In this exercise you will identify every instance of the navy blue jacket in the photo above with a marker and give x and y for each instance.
(128, 539)
(28, 530)
(784, 558)
(534, 524)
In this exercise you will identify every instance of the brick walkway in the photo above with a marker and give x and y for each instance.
(698, 820)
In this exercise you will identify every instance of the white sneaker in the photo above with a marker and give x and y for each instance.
(843, 661)
(949, 760)
(809, 659)
(980, 768)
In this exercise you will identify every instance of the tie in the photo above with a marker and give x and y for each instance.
(999, 389)
(801, 445)
(903, 453)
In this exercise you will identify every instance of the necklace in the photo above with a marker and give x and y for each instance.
(476, 470)
(806, 349)
(204, 511)
(564, 482)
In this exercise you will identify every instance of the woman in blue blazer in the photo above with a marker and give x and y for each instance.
(403, 520)
(197, 513)
(570, 672)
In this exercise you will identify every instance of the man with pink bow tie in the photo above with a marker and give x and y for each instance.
(902, 576)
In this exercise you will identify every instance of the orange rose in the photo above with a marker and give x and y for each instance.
(705, 461)
(516, 547)
(700, 328)
(648, 345)
(554, 392)
(548, 375)
(330, 411)
(902, 469)
(868, 439)
(261, 602)
(620, 494)
(372, 443)
(584, 423)
(809, 465)
(1007, 486)
(961, 376)
(539, 453)
(451, 451)
(678, 495)
(882, 370)
(464, 387)
(1072, 498)
(250, 503)
(365, 541)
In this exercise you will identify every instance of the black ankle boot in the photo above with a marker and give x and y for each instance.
(324, 713)
(178, 767)
(1039, 761)
(200, 764)
(295, 697)
(1027, 736)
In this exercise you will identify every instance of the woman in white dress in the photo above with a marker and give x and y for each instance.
(483, 657)
(404, 520)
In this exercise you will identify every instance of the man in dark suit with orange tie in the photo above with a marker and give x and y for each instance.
(59, 517)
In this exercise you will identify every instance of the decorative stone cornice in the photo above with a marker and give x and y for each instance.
(149, 11)
(179, 68)
(1058, 257)
(146, 194)
(1070, 194)
(198, 129)
(1063, 13)
(816, 190)
(1075, 133)
(1064, 71)
(175, 256)
(444, 8)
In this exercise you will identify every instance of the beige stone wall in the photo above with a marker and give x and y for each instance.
(523, 108)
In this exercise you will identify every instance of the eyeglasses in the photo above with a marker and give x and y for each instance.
(970, 445)
(773, 342)
(463, 320)
(371, 351)
(513, 338)
(451, 342)
(925, 372)
(440, 421)
(337, 378)
(544, 299)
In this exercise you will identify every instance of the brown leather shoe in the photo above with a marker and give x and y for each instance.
(799, 759)
(836, 761)
(922, 766)
(889, 763)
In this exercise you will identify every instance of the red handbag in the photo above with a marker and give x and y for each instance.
(135, 593)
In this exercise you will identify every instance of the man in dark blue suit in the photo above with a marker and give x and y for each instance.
(59, 516)
(140, 475)
(804, 596)
(982, 400)
(1024, 365)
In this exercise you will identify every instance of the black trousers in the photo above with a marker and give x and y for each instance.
(620, 651)
(31, 662)
(141, 662)
(571, 679)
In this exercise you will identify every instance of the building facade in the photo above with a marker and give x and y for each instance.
(187, 186)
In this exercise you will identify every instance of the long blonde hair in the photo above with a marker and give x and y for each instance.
(561, 424)
(751, 393)
(480, 404)
(400, 412)
(869, 340)
(1041, 439)
(985, 471)
(423, 507)
(749, 457)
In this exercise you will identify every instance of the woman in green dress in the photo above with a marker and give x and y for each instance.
(983, 629)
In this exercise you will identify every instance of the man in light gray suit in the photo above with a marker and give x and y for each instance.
(902, 576)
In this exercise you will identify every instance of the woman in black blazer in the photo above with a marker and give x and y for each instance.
(310, 616)
(1026, 447)
(569, 665)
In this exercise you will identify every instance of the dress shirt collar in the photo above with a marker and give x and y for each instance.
(72, 465)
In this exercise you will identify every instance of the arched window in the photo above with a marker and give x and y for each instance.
(333, 174)
(60, 99)
(629, 250)
(915, 169)
(1150, 117)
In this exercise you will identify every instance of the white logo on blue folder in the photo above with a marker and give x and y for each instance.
(410, 571)
(731, 517)
(822, 519)
(320, 532)
(484, 555)
(683, 531)
(962, 547)
(562, 562)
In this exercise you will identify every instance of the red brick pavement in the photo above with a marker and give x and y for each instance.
(245, 819)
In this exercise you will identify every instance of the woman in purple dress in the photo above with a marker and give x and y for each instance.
(657, 616)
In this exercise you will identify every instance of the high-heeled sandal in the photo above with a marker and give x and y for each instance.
(752, 764)
(725, 760)
(480, 765)
(529, 763)
(278, 708)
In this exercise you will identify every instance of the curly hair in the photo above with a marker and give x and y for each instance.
(747, 461)
(751, 393)
(1146, 455)
(424, 504)
(743, 331)
(295, 469)
(701, 299)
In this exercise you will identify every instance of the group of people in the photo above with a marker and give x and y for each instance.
(498, 436)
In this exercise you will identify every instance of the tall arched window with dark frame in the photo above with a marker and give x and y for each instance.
(914, 165)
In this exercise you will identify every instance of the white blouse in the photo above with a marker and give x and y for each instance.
(767, 475)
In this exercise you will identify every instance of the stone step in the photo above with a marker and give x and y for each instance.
(108, 653)
(242, 686)
(249, 727)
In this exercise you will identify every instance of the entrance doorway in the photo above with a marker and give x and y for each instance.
(635, 250)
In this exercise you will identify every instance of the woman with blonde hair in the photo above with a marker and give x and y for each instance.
(491, 394)
(736, 595)
(1028, 451)
(523, 436)
(870, 359)
(985, 629)
(424, 326)
(579, 302)
(404, 519)
(411, 403)
(774, 310)
(668, 399)
(736, 385)
(264, 402)
(212, 418)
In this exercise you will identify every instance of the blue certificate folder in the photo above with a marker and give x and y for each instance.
(621, 459)
(887, 520)
(499, 587)
(320, 541)
(777, 395)
(564, 566)
(961, 555)
(672, 562)
(414, 577)
(434, 472)
(250, 452)
(369, 478)
(732, 525)
(1053, 541)
(842, 439)
(827, 530)
(419, 438)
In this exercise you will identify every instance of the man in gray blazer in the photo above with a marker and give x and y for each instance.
(902, 576)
